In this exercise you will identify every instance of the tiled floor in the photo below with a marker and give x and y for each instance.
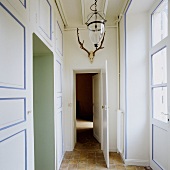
(87, 154)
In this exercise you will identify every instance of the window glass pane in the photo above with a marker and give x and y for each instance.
(160, 104)
(160, 23)
(159, 67)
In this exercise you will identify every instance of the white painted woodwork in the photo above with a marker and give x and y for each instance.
(59, 113)
(59, 102)
(23, 2)
(12, 44)
(96, 107)
(160, 147)
(122, 66)
(59, 39)
(78, 17)
(45, 17)
(136, 86)
(58, 77)
(15, 16)
(13, 153)
(12, 61)
(22, 7)
(12, 111)
(159, 130)
(105, 116)
(16, 148)
(59, 135)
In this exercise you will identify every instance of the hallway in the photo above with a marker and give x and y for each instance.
(87, 154)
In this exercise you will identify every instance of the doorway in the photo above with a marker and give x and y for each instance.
(43, 105)
(88, 120)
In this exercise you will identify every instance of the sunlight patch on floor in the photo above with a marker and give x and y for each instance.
(84, 124)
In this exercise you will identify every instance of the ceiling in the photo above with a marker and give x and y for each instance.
(74, 12)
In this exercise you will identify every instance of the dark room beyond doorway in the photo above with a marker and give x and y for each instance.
(84, 96)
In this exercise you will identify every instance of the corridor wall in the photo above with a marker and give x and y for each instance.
(19, 21)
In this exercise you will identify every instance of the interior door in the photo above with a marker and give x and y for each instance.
(96, 108)
(16, 135)
(105, 116)
(159, 112)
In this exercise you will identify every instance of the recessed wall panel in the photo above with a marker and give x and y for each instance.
(160, 147)
(13, 152)
(12, 111)
(58, 77)
(12, 53)
(59, 102)
(59, 39)
(45, 17)
(23, 2)
(60, 138)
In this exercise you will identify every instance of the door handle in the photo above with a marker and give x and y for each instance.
(29, 112)
(105, 107)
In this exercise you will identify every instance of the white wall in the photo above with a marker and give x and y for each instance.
(122, 66)
(137, 84)
(34, 18)
(77, 59)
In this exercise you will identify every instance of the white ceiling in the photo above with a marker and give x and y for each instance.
(138, 6)
(74, 12)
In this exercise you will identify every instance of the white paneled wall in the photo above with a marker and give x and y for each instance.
(77, 59)
(19, 20)
(45, 11)
(15, 147)
(134, 92)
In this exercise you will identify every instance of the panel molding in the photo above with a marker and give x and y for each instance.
(24, 4)
(152, 154)
(58, 40)
(25, 141)
(24, 29)
(15, 122)
(60, 154)
(42, 29)
(59, 102)
(60, 91)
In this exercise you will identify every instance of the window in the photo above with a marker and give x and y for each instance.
(159, 67)
(159, 62)
(159, 85)
(160, 23)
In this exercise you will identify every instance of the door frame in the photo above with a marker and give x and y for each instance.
(153, 50)
(73, 103)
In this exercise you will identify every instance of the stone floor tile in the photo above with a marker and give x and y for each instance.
(120, 167)
(73, 161)
(140, 168)
(72, 167)
(130, 167)
(87, 155)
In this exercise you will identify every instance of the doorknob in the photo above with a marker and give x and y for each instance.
(103, 107)
(28, 112)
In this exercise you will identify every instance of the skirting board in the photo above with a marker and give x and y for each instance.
(136, 162)
(112, 150)
(68, 148)
(61, 161)
(96, 137)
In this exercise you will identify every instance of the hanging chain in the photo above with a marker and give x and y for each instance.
(95, 6)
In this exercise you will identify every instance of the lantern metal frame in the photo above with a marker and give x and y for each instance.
(96, 14)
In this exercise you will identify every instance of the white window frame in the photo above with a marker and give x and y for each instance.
(164, 43)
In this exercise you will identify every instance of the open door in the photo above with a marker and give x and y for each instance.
(96, 108)
(105, 116)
